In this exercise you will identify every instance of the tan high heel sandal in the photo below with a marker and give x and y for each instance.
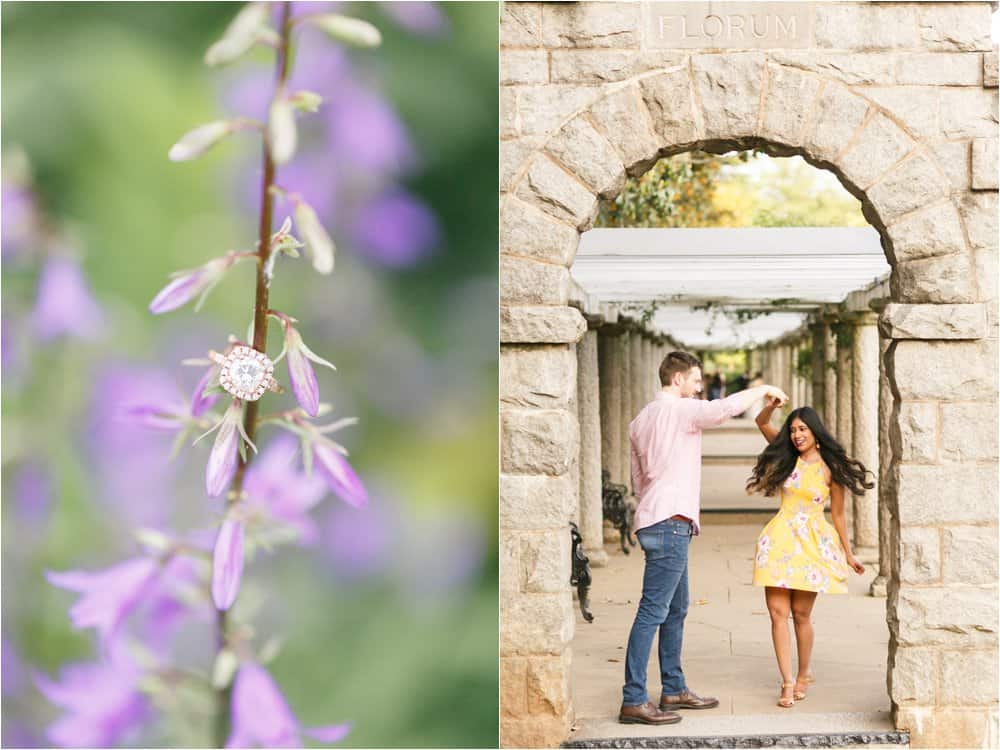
(784, 702)
(799, 694)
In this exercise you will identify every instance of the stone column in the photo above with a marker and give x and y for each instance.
(651, 368)
(638, 373)
(865, 430)
(801, 384)
(625, 455)
(879, 585)
(829, 379)
(589, 409)
(539, 444)
(818, 389)
(786, 373)
(626, 451)
(609, 349)
(845, 406)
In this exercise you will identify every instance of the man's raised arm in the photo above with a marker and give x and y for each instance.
(717, 411)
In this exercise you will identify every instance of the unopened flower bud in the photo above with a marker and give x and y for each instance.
(351, 31)
(281, 131)
(241, 34)
(318, 244)
(196, 142)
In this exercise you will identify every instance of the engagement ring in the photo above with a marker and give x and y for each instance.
(246, 373)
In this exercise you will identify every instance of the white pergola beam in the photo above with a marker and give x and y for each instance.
(802, 267)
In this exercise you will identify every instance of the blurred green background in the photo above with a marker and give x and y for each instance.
(398, 635)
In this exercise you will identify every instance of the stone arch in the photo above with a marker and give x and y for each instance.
(719, 102)
(738, 101)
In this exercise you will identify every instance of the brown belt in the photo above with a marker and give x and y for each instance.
(679, 518)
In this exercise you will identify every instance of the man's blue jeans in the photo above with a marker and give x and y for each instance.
(663, 607)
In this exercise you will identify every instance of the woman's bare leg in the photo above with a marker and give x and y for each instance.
(802, 606)
(779, 602)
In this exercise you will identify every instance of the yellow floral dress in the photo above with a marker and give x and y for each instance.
(799, 548)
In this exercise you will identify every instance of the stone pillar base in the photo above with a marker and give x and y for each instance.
(598, 557)
(611, 535)
(534, 731)
(938, 726)
(878, 588)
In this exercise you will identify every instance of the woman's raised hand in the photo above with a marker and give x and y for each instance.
(775, 397)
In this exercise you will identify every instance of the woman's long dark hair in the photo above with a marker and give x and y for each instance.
(777, 460)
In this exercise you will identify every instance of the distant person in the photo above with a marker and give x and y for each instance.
(666, 477)
(717, 388)
(741, 383)
(799, 554)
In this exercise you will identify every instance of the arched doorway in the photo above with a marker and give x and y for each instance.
(570, 143)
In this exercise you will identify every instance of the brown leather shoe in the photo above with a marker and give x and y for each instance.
(647, 713)
(687, 699)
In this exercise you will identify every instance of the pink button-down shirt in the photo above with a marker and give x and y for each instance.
(666, 454)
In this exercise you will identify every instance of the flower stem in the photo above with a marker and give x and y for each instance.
(223, 719)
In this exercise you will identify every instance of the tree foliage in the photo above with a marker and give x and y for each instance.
(739, 189)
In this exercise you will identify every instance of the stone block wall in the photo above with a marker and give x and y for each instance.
(899, 100)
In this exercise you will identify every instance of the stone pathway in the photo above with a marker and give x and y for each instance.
(727, 648)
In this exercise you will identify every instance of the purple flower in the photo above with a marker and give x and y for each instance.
(65, 305)
(197, 282)
(424, 18)
(339, 475)
(170, 602)
(396, 230)
(222, 461)
(359, 543)
(33, 492)
(301, 375)
(364, 133)
(130, 459)
(13, 669)
(200, 403)
(103, 703)
(109, 595)
(18, 209)
(273, 482)
(262, 718)
(227, 565)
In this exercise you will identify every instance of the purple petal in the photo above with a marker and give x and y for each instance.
(13, 669)
(18, 210)
(178, 292)
(424, 18)
(33, 492)
(260, 714)
(365, 132)
(222, 460)
(302, 378)
(152, 416)
(275, 483)
(396, 230)
(65, 305)
(227, 565)
(200, 403)
(103, 704)
(109, 596)
(339, 475)
(330, 733)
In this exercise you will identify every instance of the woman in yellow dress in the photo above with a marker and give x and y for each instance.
(799, 554)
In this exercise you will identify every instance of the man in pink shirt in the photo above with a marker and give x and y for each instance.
(666, 477)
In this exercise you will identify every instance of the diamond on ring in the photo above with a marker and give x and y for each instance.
(246, 373)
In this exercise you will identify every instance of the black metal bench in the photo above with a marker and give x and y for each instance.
(580, 577)
(616, 508)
